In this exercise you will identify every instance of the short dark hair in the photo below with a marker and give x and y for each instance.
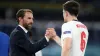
(72, 7)
(22, 12)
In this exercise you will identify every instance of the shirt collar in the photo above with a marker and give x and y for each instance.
(25, 30)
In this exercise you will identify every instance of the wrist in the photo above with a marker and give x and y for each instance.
(55, 36)
(47, 38)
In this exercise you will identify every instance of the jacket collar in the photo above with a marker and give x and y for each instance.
(25, 30)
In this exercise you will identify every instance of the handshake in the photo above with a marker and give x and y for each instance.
(51, 34)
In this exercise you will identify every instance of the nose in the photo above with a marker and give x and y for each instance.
(32, 21)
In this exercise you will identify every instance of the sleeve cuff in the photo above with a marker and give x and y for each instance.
(47, 39)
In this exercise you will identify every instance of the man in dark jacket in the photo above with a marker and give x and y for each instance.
(20, 44)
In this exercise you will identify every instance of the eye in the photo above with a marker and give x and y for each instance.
(29, 18)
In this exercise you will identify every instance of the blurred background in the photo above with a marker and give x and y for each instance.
(48, 13)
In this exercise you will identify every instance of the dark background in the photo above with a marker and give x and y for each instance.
(48, 13)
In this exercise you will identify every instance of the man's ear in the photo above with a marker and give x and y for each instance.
(20, 18)
(66, 13)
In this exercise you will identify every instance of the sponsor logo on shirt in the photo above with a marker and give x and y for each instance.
(66, 32)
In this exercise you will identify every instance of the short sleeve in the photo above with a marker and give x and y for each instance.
(66, 31)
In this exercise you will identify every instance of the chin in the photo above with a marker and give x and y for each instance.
(30, 27)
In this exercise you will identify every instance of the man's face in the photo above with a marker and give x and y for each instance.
(28, 20)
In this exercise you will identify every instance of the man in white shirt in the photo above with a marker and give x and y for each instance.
(74, 35)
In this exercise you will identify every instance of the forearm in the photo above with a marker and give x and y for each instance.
(41, 44)
(66, 47)
(65, 53)
(32, 48)
(57, 40)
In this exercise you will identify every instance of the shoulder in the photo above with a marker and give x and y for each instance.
(1, 33)
(16, 32)
(65, 24)
(16, 35)
(68, 25)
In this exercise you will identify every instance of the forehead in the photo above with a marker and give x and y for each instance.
(28, 14)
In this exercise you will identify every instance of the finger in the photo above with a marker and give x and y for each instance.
(47, 30)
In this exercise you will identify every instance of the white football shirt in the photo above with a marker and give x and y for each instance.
(79, 34)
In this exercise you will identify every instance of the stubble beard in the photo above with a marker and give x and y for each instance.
(27, 26)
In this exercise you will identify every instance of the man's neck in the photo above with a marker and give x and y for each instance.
(71, 18)
(75, 18)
